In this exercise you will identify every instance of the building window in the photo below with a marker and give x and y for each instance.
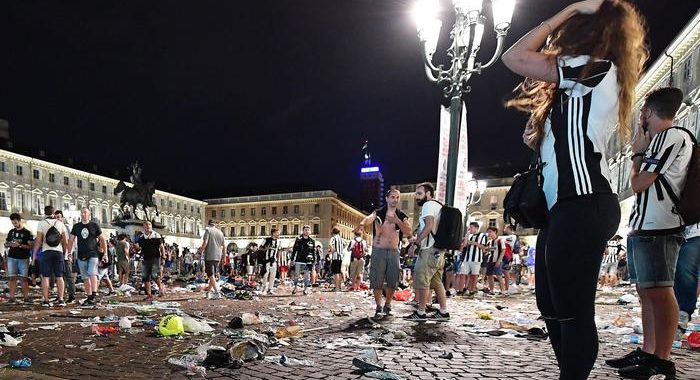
(252, 230)
(263, 211)
(52, 177)
(80, 183)
(296, 210)
(66, 205)
(104, 215)
(178, 207)
(170, 204)
(233, 231)
(3, 201)
(404, 205)
(284, 210)
(242, 212)
(263, 230)
(316, 228)
(233, 212)
(494, 202)
(92, 186)
(274, 211)
(162, 203)
(317, 208)
(284, 230)
(2, 166)
(104, 189)
(493, 223)
(252, 211)
(296, 229)
(191, 208)
(19, 170)
(35, 174)
(221, 213)
(213, 213)
(688, 69)
(66, 181)
(242, 231)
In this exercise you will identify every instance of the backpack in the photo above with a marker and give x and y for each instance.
(688, 204)
(358, 251)
(449, 231)
(525, 203)
(52, 237)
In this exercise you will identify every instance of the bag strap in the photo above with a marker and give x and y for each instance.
(695, 141)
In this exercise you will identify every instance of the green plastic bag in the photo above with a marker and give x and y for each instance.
(171, 325)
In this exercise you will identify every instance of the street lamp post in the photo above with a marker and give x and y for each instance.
(466, 36)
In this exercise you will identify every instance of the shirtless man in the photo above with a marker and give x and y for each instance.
(388, 224)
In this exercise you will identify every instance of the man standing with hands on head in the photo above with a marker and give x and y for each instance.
(88, 235)
(213, 249)
(389, 223)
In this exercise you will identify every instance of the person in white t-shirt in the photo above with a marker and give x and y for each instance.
(51, 237)
(430, 264)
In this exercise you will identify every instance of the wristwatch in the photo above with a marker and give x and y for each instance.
(636, 155)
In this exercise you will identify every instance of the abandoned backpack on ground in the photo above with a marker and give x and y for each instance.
(525, 203)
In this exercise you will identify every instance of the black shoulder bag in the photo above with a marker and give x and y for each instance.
(525, 203)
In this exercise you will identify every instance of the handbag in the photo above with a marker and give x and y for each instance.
(525, 203)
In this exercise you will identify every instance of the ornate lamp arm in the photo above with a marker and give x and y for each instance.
(500, 39)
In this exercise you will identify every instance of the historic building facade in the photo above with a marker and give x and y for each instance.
(251, 218)
(685, 50)
(27, 184)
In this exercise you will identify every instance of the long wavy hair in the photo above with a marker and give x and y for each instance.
(617, 32)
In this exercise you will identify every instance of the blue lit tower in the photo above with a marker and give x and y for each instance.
(372, 182)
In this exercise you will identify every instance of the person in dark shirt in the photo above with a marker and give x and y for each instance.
(304, 257)
(19, 241)
(152, 249)
(91, 242)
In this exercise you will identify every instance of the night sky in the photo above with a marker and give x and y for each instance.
(219, 98)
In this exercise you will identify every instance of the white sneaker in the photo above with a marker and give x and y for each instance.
(215, 296)
(306, 291)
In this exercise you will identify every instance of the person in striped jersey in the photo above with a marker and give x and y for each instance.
(336, 250)
(581, 67)
(270, 247)
(283, 265)
(611, 257)
(472, 255)
(661, 154)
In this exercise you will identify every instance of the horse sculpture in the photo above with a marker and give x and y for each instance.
(140, 194)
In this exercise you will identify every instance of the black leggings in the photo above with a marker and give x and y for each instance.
(569, 253)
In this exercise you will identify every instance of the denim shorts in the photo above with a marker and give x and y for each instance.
(652, 259)
(51, 263)
(17, 267)
(88, 268)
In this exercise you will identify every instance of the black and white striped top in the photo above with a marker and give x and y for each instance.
(577, 131)
(654, 211)
(613, 250)
(337, 244)
(271, 247)
(473, 253)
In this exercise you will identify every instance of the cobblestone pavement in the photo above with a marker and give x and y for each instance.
(143, 355)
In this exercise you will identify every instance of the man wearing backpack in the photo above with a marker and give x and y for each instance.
(388, 224)
(51, 238)
(431, 260)
(358, 251)
(661, 155)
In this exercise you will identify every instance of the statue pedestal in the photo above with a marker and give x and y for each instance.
(130, 227)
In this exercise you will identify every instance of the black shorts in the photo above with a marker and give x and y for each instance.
(150, 270)
(335, 266)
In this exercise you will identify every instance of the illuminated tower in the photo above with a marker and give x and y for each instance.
(371, 181)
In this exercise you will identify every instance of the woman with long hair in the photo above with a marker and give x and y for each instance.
(578, 91)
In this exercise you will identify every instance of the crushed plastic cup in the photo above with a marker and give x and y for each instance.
(250, 319)
(124, 323)
(291, 362)
(21, 363)
(192, 325)
(190, 365)
(677, 344)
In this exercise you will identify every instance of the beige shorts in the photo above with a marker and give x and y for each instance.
(123, 267)
(356, 268)
(428, 271)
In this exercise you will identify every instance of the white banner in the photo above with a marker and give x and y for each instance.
(462, 169)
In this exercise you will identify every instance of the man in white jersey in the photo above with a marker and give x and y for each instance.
(661, 154)
(472, 255)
